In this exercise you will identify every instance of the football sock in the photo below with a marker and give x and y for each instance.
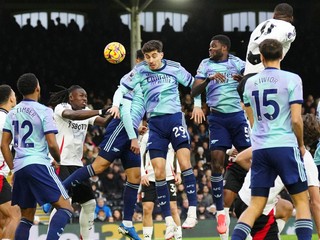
(86, 218)
(240, 231)
(23, 229)
(58, 222)
(147, 233)
(217, 190)
(163, 197)
(303, 229)
(189, 182)
(129, 200)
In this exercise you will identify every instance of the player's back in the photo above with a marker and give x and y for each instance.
(280, 30)
(28, 123)
(270, 94)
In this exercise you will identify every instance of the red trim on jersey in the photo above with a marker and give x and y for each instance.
(1, 182)
(260, 235)
(3, 164)
(62, 143)
(60, 150)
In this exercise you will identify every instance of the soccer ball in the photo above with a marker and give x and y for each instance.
(114, 52)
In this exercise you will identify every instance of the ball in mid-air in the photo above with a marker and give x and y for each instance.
(114, 52)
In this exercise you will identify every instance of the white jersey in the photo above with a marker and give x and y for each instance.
(312, 175)
(4, 169)
(245, 193)
(280, 30)
(71, 136)
(146, 166)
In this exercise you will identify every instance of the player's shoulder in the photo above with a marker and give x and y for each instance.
(141, 65)
(291, 75)
(172, 63)
(206, 61)
(235, 58)
(62, 105)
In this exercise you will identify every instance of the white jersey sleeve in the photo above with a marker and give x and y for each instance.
(311, 170)
(280, 30)
(4, 169)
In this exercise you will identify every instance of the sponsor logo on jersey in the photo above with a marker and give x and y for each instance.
(77, 126)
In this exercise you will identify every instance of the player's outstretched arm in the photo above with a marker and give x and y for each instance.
(82, 114)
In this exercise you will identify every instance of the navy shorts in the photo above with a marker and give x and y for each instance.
(227, 129)
(5, 190)
(286, 162)
(116, 144)
(36, 183)
(165, 129)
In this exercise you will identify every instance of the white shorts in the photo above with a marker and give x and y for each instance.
(311, 169)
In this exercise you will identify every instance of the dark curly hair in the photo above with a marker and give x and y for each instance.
(61, 96)
(311, 128)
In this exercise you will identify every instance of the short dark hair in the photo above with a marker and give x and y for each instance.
(271, 49)
(5, 92)
(152, 45)
(139, 55)
(283, 10)
(223, 39)
(27, 83)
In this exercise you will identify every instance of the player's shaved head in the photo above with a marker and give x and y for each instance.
(283, 11)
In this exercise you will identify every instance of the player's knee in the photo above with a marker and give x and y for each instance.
(284, 209)
(89, 206)
(147, 210)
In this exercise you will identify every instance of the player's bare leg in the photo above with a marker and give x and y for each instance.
(11, 217)
(315, 206)
(176, 218)
(147, 221)
(283, 212)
